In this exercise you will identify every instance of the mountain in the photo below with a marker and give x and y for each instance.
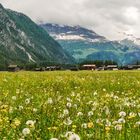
(85, 44)
(130, 40)
(132, 49)
(23, 41)
(64, 32)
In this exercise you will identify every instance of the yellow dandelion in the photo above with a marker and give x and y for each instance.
(107, 128)
(90, 125)
(17, 122)
(74, 126)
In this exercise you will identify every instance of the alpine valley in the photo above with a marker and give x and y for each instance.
(84, 44)
(22, 41)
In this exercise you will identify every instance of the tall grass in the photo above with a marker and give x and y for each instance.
(92, 105)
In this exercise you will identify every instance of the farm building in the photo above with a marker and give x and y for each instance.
(132, 67)
(40, 69)
(100, 68)
(112, 67)
(88, 67)
(52, 68)
(13, 68)
(74, 68)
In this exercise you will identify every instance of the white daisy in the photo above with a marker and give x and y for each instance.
(26, 131)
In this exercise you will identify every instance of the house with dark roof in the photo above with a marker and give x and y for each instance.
(88, 67)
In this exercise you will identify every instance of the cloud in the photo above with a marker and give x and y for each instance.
(106, 17)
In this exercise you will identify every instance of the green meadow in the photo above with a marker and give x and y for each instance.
(65, 105)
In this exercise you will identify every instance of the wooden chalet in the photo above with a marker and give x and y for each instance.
(100, 68)
(132, 67)
(40, 69)
(52, 68)
(88, 67)
(74, 68)
(112, 67)
(13, 68)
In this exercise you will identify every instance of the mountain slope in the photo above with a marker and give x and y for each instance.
(132, 49)
(85, 44)
(22, 41)
(64, 32)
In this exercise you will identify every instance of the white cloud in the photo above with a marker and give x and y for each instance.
(132, 13)
(106, 17)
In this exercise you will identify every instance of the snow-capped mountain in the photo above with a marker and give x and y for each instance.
(65, 32)
(85, 44)
(135, 40)
(132, 42)
(130, 39)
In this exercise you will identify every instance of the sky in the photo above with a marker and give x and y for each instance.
(114, 19)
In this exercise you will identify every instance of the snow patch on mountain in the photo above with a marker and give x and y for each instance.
(75, 33)
(68, 37)
(76, 37)
(130, 39)
(28, 54)
(20, 47)
(134, 40)
(95, 40)
(30, 57)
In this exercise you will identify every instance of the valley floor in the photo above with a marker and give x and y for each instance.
(93, 105)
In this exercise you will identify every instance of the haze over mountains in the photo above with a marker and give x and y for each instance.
(22, 41)
(85, 44)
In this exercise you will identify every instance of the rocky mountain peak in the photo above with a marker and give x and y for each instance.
(68, 32)
(1, 7)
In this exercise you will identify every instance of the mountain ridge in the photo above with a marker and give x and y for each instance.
(79, 31)
(23, 41)
(93, 47)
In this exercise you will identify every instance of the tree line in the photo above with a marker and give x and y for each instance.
(32, 65)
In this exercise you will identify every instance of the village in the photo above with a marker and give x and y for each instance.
(90, 67)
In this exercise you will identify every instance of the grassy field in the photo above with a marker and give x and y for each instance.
(82, 105)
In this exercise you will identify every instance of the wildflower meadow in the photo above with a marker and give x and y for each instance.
(65, 105)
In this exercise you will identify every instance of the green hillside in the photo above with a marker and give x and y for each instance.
(23, 41)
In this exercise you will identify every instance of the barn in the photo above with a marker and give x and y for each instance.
(13, 68)
(88, 67)
(112, 67)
